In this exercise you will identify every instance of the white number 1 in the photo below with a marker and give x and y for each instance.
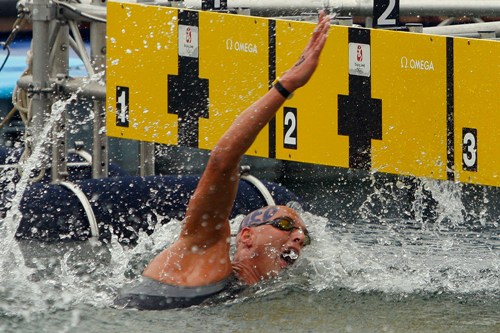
(122, 113)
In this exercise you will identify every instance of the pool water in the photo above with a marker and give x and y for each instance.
(389, 276)
(376, 265)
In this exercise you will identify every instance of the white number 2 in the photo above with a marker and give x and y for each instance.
(290, 128)
(383, 19)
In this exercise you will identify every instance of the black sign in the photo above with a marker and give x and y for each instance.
(122, 106)
(469, 149)
(187, 92)
(290, 128)
(385, 13)
(360, 115)
(213, 4)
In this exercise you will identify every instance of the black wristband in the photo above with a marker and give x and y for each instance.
(282, 90)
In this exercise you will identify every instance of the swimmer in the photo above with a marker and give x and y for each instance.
(198, 264)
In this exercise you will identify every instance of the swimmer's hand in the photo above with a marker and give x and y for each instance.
(301, 72)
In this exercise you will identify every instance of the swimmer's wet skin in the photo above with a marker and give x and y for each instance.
(150, 294)
(197, 265)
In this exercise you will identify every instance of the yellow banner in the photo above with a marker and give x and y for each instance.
(394, 102)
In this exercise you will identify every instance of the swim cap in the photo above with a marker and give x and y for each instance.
(265, 214)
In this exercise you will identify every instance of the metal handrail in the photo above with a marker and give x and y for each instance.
(489, 8)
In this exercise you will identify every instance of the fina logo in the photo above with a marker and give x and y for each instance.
(423, 65)
(359, 54)
(359, 59)
(189, 36)
(188, 41)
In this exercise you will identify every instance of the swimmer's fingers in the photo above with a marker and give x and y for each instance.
(303, 69)
(319, 36)
(318, 30)
(317, 41)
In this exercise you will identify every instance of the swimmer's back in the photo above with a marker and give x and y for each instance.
(149, 294)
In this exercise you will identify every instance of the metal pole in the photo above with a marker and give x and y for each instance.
(147, 149)
(369, 22)
(471, 29)
(41, 15)
(415, 27)
(147, 159)
(98, 59)
(74, 85)
(487, 34)
(59, 56)
(344, 20)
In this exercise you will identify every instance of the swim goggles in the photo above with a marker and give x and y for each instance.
(286, 224)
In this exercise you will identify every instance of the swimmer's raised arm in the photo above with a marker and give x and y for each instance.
(200, 255)
(218, 186)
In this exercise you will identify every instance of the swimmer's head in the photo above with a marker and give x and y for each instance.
(281, 217)
(270, 239)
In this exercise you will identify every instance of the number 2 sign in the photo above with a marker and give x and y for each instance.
(290, 128)
(386, 12)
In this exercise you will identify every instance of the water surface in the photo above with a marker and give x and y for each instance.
(394, 276)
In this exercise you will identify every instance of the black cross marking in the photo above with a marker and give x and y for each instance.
(359, 115)
(187, 92)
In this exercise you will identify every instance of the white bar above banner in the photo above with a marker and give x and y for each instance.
(490, 8)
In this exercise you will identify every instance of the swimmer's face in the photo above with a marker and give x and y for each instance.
(277, 242)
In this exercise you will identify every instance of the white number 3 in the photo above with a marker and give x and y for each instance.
(469, 150)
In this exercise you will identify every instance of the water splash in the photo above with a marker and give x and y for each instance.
(393, 256)
(360, 257)
(366, 257)
(450, 210)
(14, 273)
(22, 296)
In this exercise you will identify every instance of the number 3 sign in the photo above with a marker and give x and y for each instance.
(469, 149)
